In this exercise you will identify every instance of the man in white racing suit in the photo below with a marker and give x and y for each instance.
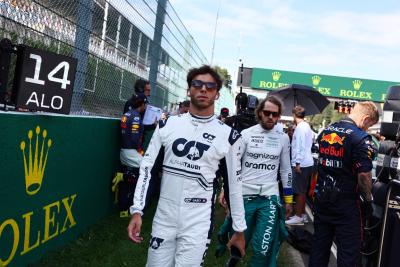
(266, 150)
(192, 145)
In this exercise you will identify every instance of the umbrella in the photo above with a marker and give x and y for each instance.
(296, 94)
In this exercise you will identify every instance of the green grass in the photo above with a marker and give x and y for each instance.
(106, 244)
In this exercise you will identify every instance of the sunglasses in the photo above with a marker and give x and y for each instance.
(268, 113)
(197, 84)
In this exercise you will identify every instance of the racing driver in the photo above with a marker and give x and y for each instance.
(192, 145)
(266, 150)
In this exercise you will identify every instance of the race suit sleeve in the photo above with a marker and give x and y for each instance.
(363, 153)
(148, 162)
(286, 170)
(233, 167)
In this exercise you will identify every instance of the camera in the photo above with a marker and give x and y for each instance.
(384, 226)
(245, 116)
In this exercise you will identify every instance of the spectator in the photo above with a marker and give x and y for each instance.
(302, 163)
(183, 108)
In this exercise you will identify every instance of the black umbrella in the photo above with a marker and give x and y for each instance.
(296, 94)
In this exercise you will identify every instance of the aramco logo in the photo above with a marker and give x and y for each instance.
(357, 84)
(276, 75)
(315, 80)
(35, 159)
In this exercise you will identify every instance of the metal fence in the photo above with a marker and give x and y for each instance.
(116, 42)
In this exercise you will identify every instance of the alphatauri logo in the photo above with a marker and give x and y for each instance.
(155, 242)
(191, 149)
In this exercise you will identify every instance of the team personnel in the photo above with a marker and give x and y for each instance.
(141, 87)
(302, 163)
(224, 113)
(131, 151)
(132, 133)
(191, 146)
(344, 173)
(266, 150)
(183, 108)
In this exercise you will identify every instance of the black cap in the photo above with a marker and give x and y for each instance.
(224, 112)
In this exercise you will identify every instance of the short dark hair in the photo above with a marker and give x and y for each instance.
(140, 84)
(205, 69)
(299, 112)
(185, 103)
(273, 100)
(138, 100)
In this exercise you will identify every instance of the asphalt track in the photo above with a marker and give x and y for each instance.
(300, 258)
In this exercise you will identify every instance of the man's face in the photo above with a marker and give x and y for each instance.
(203, 91)
(147, 90)
(269, 115)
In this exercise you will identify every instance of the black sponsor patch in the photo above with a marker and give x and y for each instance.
(162, 123)
(195, 200)
(233, 136)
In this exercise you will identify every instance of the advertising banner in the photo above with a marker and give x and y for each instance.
(55, 181)
(330, 86)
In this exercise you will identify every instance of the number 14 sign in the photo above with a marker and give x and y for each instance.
(44, 80)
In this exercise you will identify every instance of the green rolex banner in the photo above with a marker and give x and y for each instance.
(55, 174)
(330, 86)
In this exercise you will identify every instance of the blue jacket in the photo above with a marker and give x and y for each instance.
(132, 130)
(344, 151)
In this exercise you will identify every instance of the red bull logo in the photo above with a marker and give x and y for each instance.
(332, 138)
(332, 151)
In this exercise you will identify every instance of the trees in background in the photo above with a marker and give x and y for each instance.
(225, 76)
(328, 116)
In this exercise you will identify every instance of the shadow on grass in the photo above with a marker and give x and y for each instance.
(106, 244)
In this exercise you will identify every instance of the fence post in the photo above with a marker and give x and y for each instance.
(155, 52)
(81, 50)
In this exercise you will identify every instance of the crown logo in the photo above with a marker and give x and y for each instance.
(357, 84)
(315, 80)
(276, 75)
(35, 165)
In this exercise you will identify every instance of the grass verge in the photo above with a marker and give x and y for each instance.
(106, 244)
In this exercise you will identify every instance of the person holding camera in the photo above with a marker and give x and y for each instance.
(344, 174)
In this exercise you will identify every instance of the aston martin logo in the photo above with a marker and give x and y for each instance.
(35, 159)
(276, 75)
